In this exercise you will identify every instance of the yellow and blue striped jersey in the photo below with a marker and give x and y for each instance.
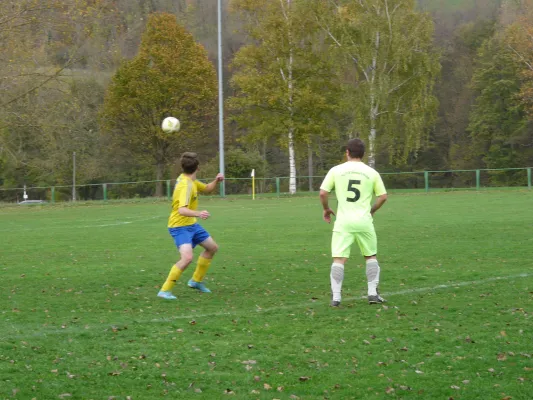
(185, 195)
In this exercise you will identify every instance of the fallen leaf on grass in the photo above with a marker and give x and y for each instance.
(229, 391)
(304, 378)
(114, 373)
(266, 386)
(455, 387)
(249, 362)
(389, 390)
(62, 396)
(255, 391)
(502, 357)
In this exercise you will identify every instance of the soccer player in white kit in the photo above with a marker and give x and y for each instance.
(355, 184)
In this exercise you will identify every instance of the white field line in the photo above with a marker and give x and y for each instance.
(258, 309)
(389, 294)
(119, 223)
(17, 228)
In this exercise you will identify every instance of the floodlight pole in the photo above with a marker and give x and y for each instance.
(220, 101)
(74, 176)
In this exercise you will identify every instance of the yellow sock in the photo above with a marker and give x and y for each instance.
(201, 269)
(173, 276)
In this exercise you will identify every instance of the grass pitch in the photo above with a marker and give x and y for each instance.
(80, 318)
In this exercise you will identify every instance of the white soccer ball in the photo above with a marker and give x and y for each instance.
(170, 124)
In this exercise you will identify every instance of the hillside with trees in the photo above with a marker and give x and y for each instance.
(428, 84)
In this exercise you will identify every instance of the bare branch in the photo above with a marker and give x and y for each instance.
(522, 58)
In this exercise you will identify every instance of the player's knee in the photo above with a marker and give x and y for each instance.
(186, 258)
(214, 248)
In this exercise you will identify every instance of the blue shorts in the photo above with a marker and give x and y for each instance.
(191, 234)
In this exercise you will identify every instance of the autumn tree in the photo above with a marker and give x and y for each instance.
(498, 122)
(501, 120)
(451, 143)
(284, 88)
(170, 76)
(45, 48)
(387, 46)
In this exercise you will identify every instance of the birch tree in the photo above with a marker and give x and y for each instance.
(284, 89)
(388, 48)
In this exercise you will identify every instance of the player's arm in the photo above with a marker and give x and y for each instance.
(183, 192)
(381, 195)
(211, 186)
(186, 212)
(380, 200)
(327, 185)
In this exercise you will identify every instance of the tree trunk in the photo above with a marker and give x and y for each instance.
(160, 167)
(292, 158)
(292, 163)
(374, 107)
(371, 153)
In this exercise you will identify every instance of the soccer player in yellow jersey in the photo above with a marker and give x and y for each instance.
(355, 184)
(184, 229)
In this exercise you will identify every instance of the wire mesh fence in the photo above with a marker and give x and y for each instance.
(424, 181)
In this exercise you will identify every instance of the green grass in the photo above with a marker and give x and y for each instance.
(79, 314)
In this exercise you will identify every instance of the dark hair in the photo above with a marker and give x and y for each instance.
(356, 148)
(189, 162)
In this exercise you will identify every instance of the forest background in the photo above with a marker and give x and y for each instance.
(429, 85)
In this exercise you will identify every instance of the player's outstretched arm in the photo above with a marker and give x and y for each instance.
(186, 212)
(380, 200)
(212, 185)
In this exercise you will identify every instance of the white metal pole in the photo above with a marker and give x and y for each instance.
(220, 100)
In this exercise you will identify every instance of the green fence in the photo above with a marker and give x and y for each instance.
(422, 181)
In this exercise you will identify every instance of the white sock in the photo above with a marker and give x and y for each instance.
(372, 275)
(336, 277)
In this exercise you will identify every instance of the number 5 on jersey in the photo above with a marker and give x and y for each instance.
(353, 189)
